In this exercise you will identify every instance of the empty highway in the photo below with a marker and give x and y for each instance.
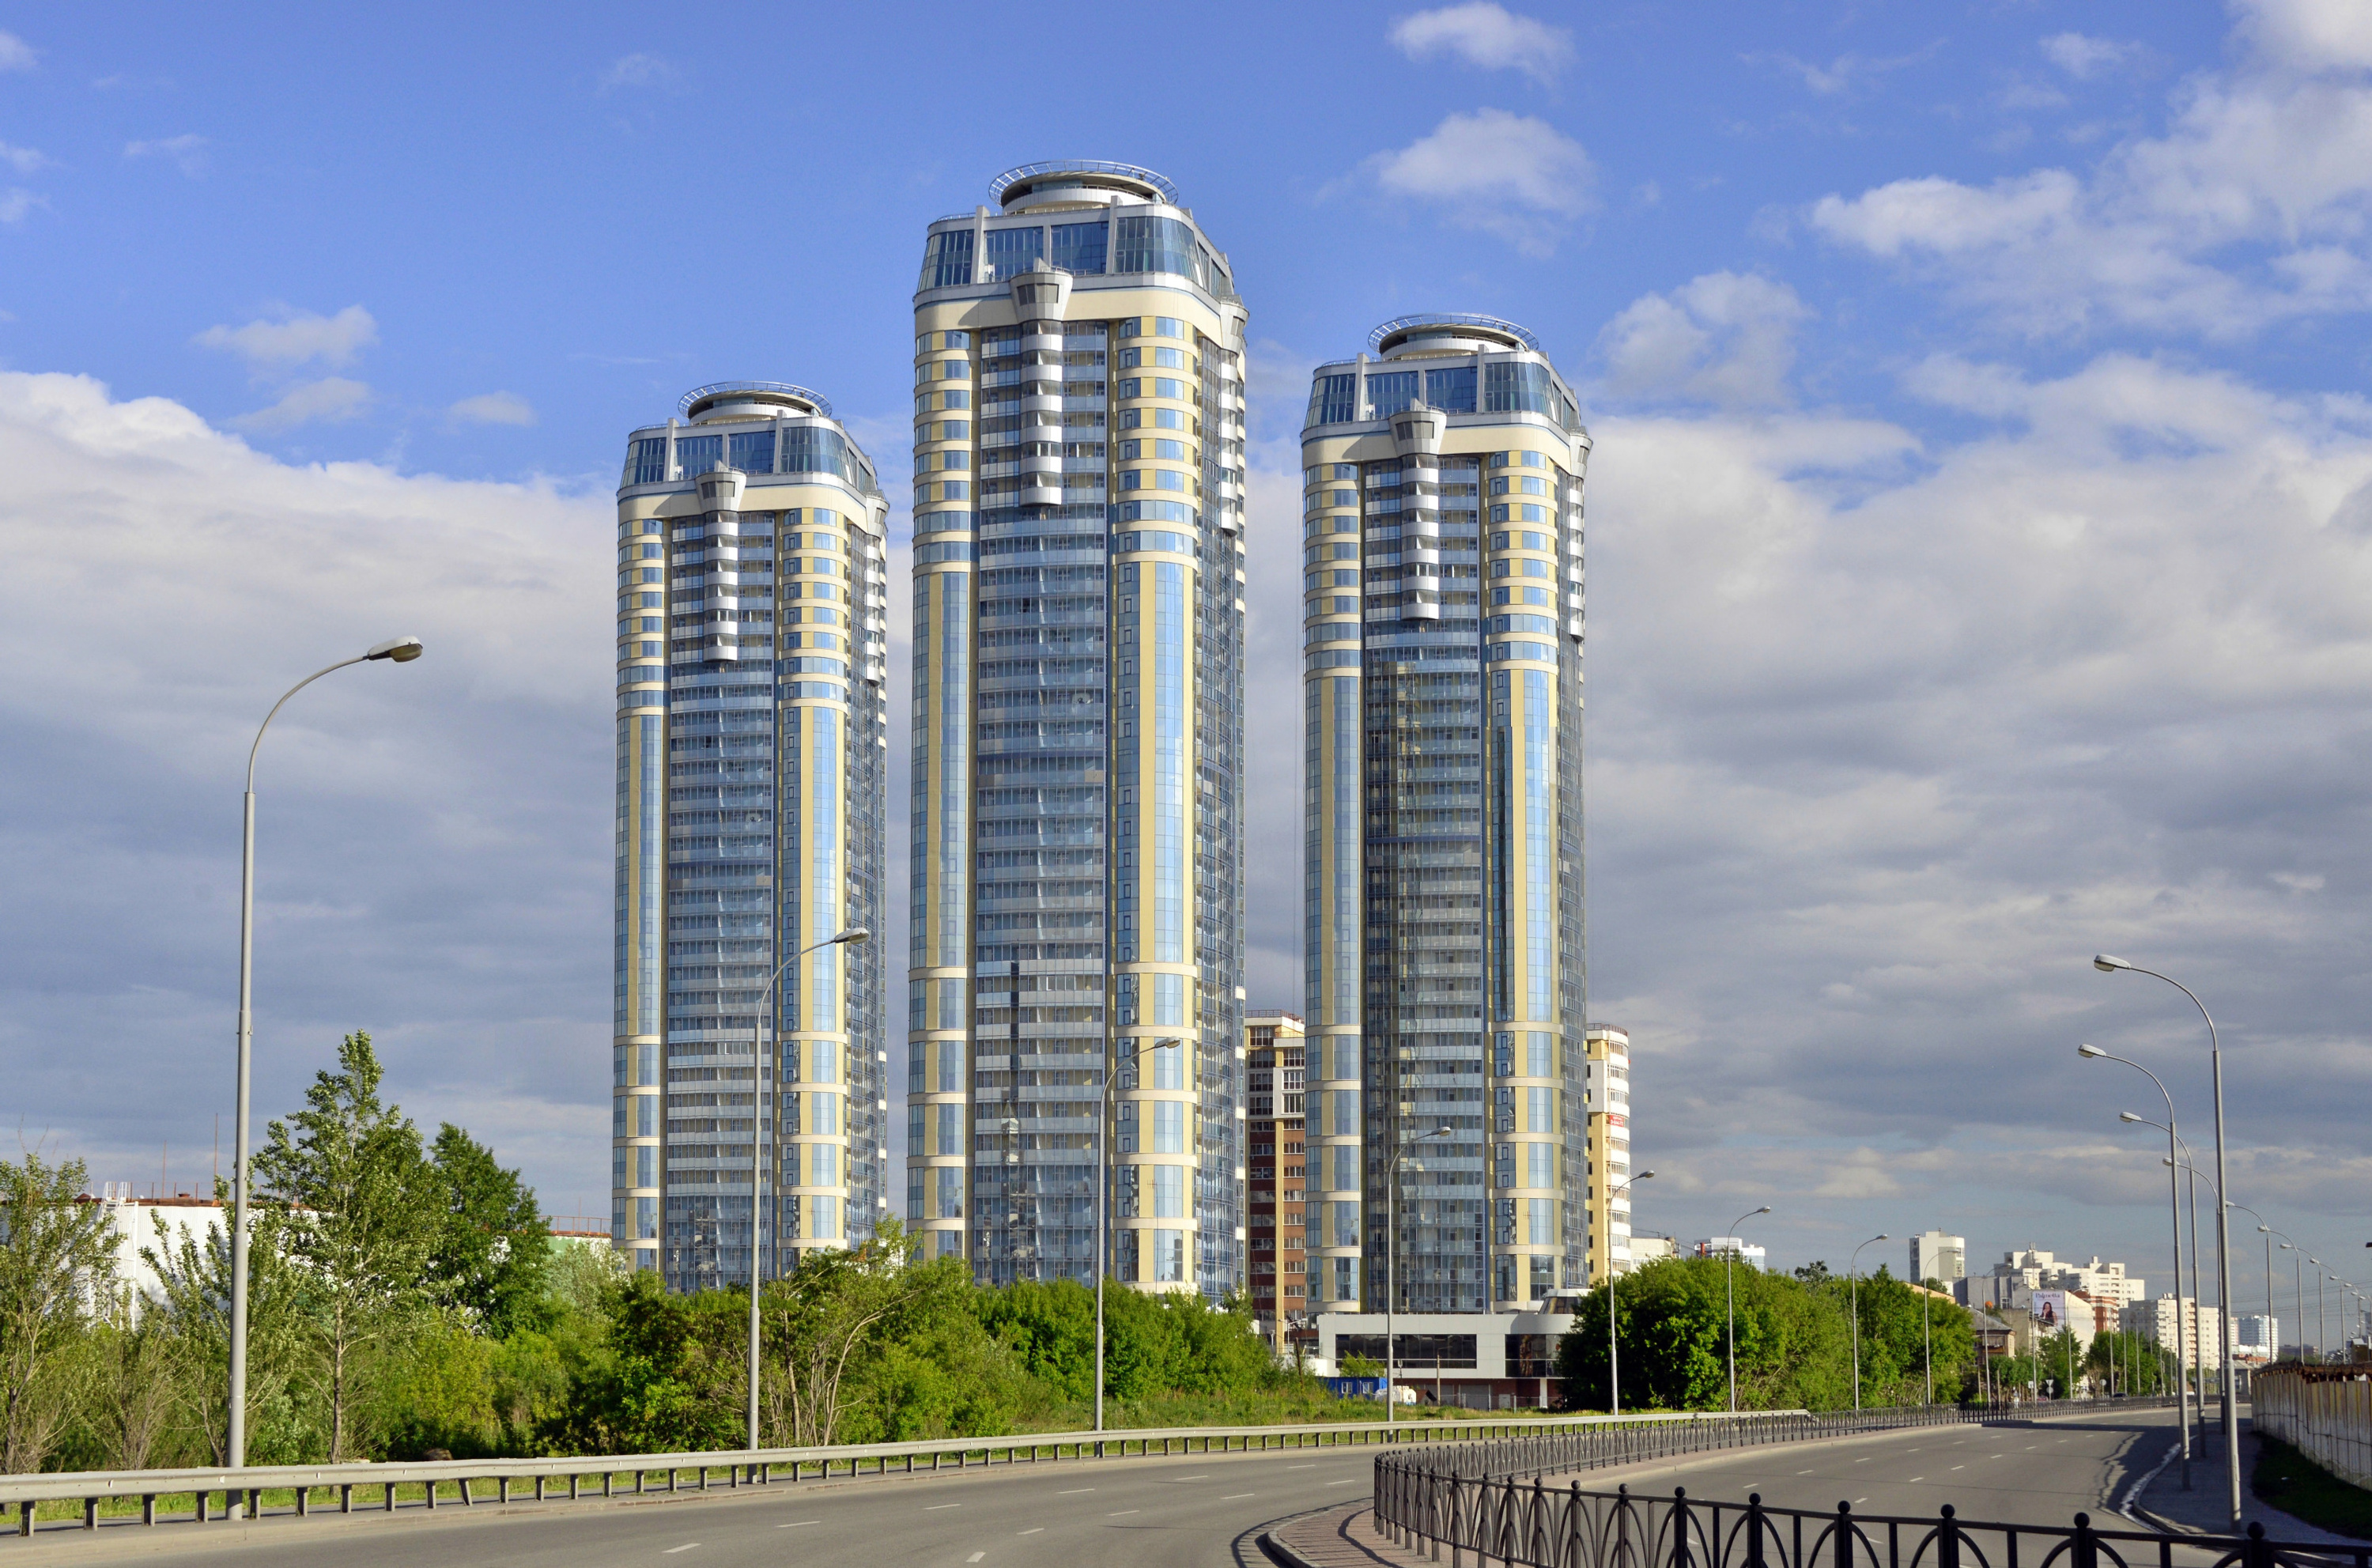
(1194, 1510)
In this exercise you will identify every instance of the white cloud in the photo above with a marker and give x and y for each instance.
(422, 869)
(1488, 35)
(1846, 71)
(295, 337)
(24, 160)
(1723, 338)
(2253, 207)
(1506, 174)
(187, 153)
(2314, 34)
(492, 408)
(17, 202)
(2083, 57)
(641, 71)
(16, 55)
(328, 400)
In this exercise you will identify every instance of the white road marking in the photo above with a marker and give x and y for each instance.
(687, 1546)
(797, 1523)
(1301, 1467)
(1803, 1472)
(936, 1507)
(1346, 1481)
(1861, 1461)
(1861, 1500)
(976, 1557)
(1914, 1480)
(1075, 1492)
(1033, 1529)
(1190, 1478)
(1231, 1496)
(1123, 1511)
(1959, 1467)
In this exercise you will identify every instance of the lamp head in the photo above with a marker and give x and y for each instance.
(2090, 1051)
(2264, 1230)
(2127, 1116)
(855, 934)
(2163, 1160)
(2109, 964)
(1763, 1210)
(1438, 1133)
(1643, 1176)
(402, 650)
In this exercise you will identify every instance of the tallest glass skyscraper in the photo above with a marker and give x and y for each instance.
(1074, 996)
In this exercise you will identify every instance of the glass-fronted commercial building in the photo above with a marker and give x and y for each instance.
(1078, 736)
(1444, 939)
(747, 1120)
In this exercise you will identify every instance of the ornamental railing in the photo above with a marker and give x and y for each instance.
(1494, 1503)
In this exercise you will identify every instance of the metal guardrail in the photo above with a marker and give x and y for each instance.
(456, 1481)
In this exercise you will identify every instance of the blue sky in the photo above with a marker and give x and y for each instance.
(1978, 523)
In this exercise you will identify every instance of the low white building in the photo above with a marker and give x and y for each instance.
(1473, 1360)
(134, 1222)
(1938, 1257)
(1735, 1246)
(2256, 1337)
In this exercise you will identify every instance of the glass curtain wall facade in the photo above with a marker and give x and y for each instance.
(1078, 736)
(752, 770)
(1444, 941)
(1607, 1099)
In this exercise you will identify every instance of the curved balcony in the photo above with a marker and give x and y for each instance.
(1037, 493)
(1041, 462)
(1042, 397)
(1043, 342)
(1416, 607)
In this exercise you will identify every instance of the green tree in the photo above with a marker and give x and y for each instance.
(492, 1247)
(1673, 1327)
(363, 1213)
(57, 1257)
(832, 1315)
(193, 1274)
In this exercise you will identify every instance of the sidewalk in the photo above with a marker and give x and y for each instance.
(2204, 1510)
(1340, 1536)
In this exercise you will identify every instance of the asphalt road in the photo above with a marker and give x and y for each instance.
(1198, 1510)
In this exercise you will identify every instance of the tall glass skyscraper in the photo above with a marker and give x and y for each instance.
(1077, 735)
(1442, 900)
(751, 766)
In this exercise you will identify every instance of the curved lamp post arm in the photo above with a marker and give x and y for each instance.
(1730, 1298)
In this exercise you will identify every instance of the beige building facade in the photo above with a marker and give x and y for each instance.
(748, 1121)
(1444, 941)
(1075, 1002)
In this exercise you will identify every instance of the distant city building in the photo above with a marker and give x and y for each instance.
(2171, 1321)
(1646, 1249)
(1277, 1254)
(134, 1226)
(2054, 1311)
(1606, 1092)
(1735, 1246)
(2019, 1274)
(752, 787)
(1442, 474)
(2256, 1337)
(1938, 1257)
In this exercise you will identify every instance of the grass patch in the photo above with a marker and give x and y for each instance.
(2289, 1481)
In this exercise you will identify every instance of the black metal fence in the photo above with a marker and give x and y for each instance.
(1493, 1502)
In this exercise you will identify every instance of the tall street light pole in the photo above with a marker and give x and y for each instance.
(395, 650)
(2182, 1169)
(1104, 1196)
(1729, 1295)
(1613, 1366)
(2268, 1232)
(758, 1130)
(2297, 1292)
(2108, 964)
(2174, 1207)
(1391, 1256)
(1853, 1290)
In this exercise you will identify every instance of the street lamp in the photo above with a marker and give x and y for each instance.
(1391, 1254)
(2109, 965)
(2268, 1232)
(1853, 1290)
(1729, 1295)
(395, 650)
(2177, 1169)
(2297, 1292)
(2174, 1205)
(758, 1129)
(1613, 1367)
(1104, 1196)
